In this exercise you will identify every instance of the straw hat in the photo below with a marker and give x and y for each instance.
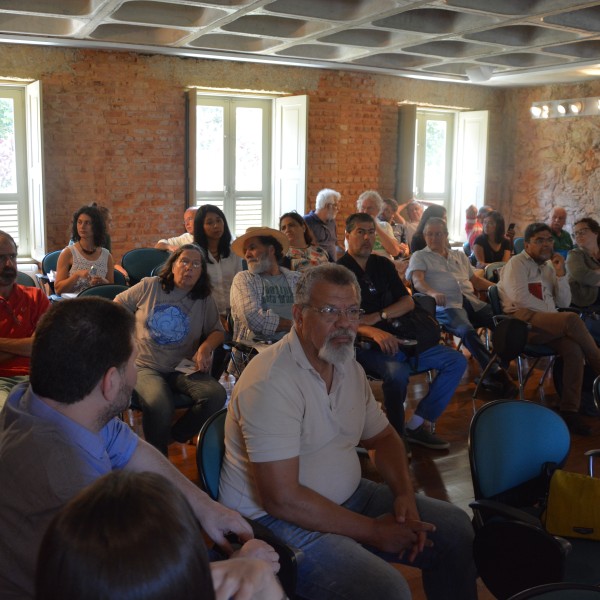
(238, 244)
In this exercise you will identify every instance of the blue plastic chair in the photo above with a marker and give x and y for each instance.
(518, 244)
(108, 290)
(140, 262)
(119, 278)
(510, 444)
(24, 279)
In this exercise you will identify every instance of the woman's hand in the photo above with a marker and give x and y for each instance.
(203, 358)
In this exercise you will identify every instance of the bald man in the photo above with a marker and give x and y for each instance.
(562, 238)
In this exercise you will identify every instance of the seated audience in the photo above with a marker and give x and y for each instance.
(389, 214)
(21, 309)
(447, 275)
(296, 416)
(63, 432)
(418, 240)
(303, 252)
(86, 262)
(176, 319)
(384, 301)
(262, 297)
(531, 288)
(492, 245)
(474, 222)
(371, 203)
(134, 536)
(212, 234)
(562, 238)
(171, 244)
(583, 265)
(321, 221)
(414, 212)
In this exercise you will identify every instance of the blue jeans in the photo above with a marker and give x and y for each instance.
(395, 370)
(336, 567)
(461, 322)
(157, 395)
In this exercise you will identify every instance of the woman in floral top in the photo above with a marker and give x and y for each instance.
(303, 252)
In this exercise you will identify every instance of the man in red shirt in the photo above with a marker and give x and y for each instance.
(20, 310)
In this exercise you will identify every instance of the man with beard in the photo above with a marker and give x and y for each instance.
(262, 297)
(21, 309)
(385, 299)
(62, 432)
(296, 416)
(532, 285)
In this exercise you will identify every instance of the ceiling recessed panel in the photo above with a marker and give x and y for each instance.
(587, 19)
(370, 38)
(522, 60)
(393, 61)
(317, 52)
(588, 50)
(521, 35)
(235, 43)
(165, 14)
(137, 34)
(13, 23)
(65, 7)
(449, 48)
(433, 21)
(331, 10)
(516, 7)
(273, 26)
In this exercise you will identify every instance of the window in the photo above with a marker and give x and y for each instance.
(21, 185)
(248, 157)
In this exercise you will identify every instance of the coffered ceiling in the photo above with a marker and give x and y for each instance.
(490, 42)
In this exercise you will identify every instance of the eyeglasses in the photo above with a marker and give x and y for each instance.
(332, 314)
(11, 257)
(541, 240)
(186, 262)
(581, 231)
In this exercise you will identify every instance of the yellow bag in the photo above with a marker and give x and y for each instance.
(573, 507)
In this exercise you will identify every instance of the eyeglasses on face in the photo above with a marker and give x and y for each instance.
(332, 313)
(186, 262)
(581, 231)
(538, 241)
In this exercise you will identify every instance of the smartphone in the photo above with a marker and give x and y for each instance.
(511, 226)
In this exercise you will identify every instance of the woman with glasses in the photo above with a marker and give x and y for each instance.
(583, 264)
(303, 252)
(176, 320)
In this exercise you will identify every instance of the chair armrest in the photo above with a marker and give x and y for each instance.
(491, 508)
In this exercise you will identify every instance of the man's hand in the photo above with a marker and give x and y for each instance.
(440, 299)
(391, 536)
(388, 343)
(244, 579)
(558, 262)
(218, 520)
(405, 510)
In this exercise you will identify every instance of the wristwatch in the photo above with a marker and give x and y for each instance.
(383, 315)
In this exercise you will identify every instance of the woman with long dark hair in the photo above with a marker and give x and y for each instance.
(176, 319)
(492, 245)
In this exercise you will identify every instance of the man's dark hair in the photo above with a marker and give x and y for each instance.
(98, 224)
(76, 342)
(535, 228)
(355, 218)
(9, 237)
(201, 289)
(269, 240)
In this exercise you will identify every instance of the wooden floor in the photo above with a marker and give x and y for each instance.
(444, 475)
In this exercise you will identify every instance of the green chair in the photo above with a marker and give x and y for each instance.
(49, 263)
(140, 262)
(107, 290)
(24, 279)
(119, 278)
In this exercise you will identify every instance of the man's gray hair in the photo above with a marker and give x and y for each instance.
(370, 194)
(327, 273)
(436, 221)
(324, 196)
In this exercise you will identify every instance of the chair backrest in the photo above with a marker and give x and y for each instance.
(119, 278)
(560, 591)
(509, 441)
(26, 280)
(425, 302)
(140, 262)
(467, 248)
(509, 338)
(518, 244)
(108, 290)
(210, 451)
(50, 261)
(494, 298)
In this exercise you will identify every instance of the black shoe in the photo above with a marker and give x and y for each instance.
(575, 423)
(422, 437)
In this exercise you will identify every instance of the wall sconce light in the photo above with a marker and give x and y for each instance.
(555, 109)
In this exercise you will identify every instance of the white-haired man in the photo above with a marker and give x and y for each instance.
(171, 244)
(321, 221)
(371, 203)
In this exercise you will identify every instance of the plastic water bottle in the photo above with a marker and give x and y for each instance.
(227, 381)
